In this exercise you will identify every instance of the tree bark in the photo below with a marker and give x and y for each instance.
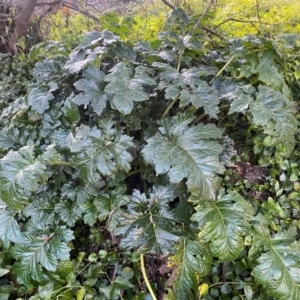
(24, 13)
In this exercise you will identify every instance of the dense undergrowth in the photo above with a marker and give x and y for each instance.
(167, 169)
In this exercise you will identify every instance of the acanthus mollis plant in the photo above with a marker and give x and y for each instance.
(129, 140)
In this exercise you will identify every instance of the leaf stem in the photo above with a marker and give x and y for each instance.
(62, 163)
(146, 277)
(133, 172)
(145, 187)
(221, 282)
(169, 107)
(226, 65)
(179, 60)
(198, 119)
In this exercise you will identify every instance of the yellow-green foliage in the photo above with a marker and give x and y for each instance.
(268, 17)
(142, 24)
(148, 19)
(240, 17)
(145, 19)
(147, 28)
(67, 27)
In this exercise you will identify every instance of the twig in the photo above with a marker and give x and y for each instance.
(209, 30)
(257, 11)
(244, 21)
(48, 3)
(206, 10)
(82, 12)
(168, 4)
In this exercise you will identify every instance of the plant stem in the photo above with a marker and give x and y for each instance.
(198, 119)
(226, 65)
(218, 283)
(133, 172)
(168, 108)
(62, 163)
(146, 277)
(179, 60)
(145, 187)
(173, 102)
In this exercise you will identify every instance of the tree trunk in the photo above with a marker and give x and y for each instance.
(24, 13)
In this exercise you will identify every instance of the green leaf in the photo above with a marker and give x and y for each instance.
(189, 78)
(37, 255)
(9, 228)
(64, 268)
(193, 260)
(169, 74)
(108, 201)
(50, 120)
(68, 211)
(149, 225)
(266, 67)
(242, 99)
(127, 86)
(48, 68)
(223, 223)
(45, 292)
(127, 273)
(123, 283)
(78, 60)
(111, 291)
(271, 110)
(167, 55)
(276, 115)
(101, 151)
(30, 262)
(64, 234)
(228, 152)
(187, 152)
(12, 138)
(41, 209)
(39, 99)
(193, 90)
(171, 92)
(20, 174)
(278, 269)
(3, 272)
(202, 96)
(92, 38)
(70, 111)
(75, 192)
(248, 292)
(90, 216)
(92, 90)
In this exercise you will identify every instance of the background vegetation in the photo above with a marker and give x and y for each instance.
(151, 152)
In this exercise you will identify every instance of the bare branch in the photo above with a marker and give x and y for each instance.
(206, 10)
(252, 22)
(211, 31)
(49, 3)
(257, 11)
(73, 7)
(168, 4)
